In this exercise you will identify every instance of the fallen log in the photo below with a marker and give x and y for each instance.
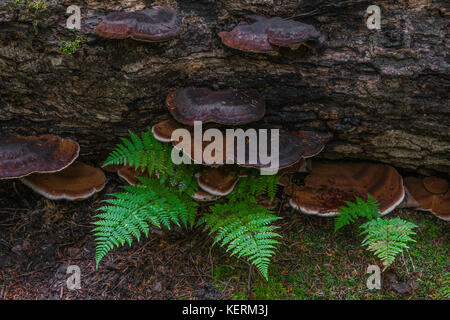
(383, 94)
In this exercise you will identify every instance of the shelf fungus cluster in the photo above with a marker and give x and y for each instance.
(429, 194)
(227, 114)
(264, 35)
(151, 25)
(330, 184)
(47, 165)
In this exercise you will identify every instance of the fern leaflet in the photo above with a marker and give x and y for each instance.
(386, 238)
(245, 229)
(369, 209)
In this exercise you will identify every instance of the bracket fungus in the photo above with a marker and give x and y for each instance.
(435, 185)
(152, 25)
(263, 35)
(217, 181)
(162, 131)
(21, 156)
(330, 184)
(203, 196)
(249, 37)
(201, 151)
(292, 148)
(130, 174)
(290, 33)
(285, 174)
(430, 194)
(228, 107)
(76, 182)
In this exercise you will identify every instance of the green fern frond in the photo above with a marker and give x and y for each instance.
(369, 209)
(245, 229)
(254, 185)
(127, 216)
(143, 152)
(387, 238)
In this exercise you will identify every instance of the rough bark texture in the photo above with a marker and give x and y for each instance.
(384, 94)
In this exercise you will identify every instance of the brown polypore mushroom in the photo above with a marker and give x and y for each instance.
(203, 196)
(162, 131)
(131, 175)
(218, 181)
(292, 148)
(111, 168)
(21, 156)
(153, 25)
(330, 184)
(249, 37)
(436, 202)
(435, 185)
(78, 181)
(285, 174)
(290, 33)
(265, 33)
(441, 206)
(229, 107)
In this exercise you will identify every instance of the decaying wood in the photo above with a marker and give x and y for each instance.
(384, 94)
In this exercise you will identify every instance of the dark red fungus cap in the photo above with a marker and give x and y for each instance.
(293, 146)
(249, 37)
(262, 34)
(199, 154)
(21, 156)
(290, 33)
(153, 25)
(203, 196)
(436, 201)
(435, 185)
(228, 107)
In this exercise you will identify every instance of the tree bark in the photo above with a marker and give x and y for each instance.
(384, 94)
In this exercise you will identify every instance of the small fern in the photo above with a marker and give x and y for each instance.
(386, 238)
(369, 209)
(245, 229)
(129, 213)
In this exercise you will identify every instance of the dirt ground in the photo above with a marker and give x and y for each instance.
(39, 239)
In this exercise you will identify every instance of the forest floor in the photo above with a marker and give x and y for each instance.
(39, 239)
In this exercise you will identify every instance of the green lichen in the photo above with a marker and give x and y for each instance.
(70, 46)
